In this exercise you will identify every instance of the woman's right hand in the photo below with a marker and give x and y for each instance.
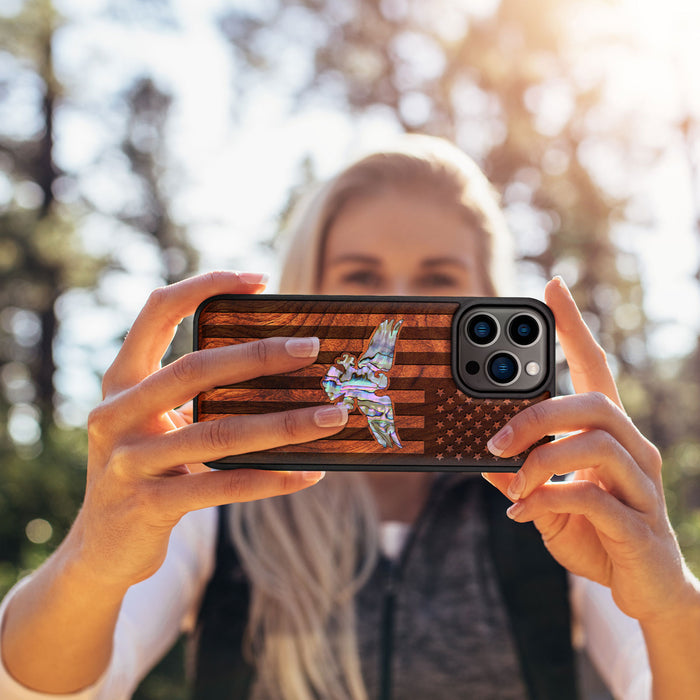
(145, 462)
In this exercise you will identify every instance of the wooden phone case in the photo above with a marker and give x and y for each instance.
(415, 415)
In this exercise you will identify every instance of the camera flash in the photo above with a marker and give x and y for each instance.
(532, 368)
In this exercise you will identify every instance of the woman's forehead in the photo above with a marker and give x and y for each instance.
(396, 224)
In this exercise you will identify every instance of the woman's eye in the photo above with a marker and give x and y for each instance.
(437, 280)
(363, 278)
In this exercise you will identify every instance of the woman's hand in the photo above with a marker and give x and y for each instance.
(609, 523)
(145, 458)
(145, 472)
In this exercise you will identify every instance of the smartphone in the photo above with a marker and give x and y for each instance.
(427, 380)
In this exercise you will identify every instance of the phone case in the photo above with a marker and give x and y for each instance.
(393, 361)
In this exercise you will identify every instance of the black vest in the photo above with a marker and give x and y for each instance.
(533, 588)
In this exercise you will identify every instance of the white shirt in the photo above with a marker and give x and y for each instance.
(156, 611)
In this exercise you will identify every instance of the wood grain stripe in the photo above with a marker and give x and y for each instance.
(312, 380)
(210, 321)
(397, 371)
(353, 346)
(405, 358)
(417, 331)
(250, 407)
(355, 422)
(288, 396)
(349, 446)
(271, 307)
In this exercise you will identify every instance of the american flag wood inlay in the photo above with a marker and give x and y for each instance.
(439, 426)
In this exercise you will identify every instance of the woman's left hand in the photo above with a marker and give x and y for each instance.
(609, 523)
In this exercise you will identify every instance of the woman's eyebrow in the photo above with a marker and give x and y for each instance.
(357, 258)
(452, 262)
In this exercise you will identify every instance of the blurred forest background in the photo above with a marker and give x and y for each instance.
(585, 115)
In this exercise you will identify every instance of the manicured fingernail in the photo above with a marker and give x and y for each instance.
(500, 442)
(331, 416)
(560, 281)
(516, 486)
(253, 277)
(302, 347)
(313, 477)
(515, 510)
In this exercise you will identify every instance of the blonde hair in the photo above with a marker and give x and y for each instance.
(307, 554)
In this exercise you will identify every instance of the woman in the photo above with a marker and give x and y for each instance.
(418, 221)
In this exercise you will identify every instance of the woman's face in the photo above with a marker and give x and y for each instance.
(400, 243)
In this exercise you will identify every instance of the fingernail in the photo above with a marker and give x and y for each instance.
(253, 277)
(313, 477)
(331, 416)
(302, 347)
(516, 486)
(499, 443)
(515, 510)
(560, 281)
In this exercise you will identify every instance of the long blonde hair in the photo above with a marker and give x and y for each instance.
(307, 554)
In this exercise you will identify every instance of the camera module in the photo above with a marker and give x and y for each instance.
(524, 330)
(503, 347)
(482, 329)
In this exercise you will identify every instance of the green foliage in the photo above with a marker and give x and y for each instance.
(682, 482)
(42, 259)
(41, 482)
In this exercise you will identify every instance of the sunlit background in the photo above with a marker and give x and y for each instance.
(143, 141)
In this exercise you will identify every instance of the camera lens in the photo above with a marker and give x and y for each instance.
(482, 329)
(524, 330)
(503, 368)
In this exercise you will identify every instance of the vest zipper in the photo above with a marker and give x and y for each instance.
(387, 638)
(395, 571)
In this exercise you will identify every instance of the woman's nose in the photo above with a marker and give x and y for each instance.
(399, 287)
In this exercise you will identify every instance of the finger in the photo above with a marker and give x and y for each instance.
(184, 378)
(587, 361)
(234, 435)
(186, 411)
(568, 414)
(180, 418)
(608, 515)
(586, 557)
(189, 492)
(594, 449)
(155, 326)
(501, 480)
